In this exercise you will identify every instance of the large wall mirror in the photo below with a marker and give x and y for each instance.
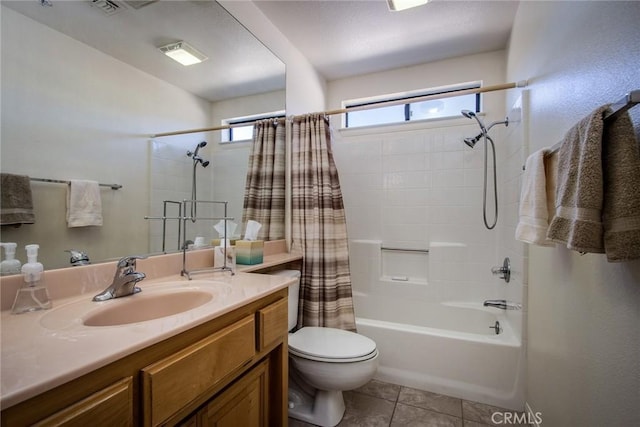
(84, 86)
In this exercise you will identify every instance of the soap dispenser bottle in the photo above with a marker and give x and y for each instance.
(33, 295)
(10, 265)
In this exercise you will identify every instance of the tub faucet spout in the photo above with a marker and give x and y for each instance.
(502, 304)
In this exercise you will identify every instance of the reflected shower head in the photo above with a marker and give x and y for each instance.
(194, 154)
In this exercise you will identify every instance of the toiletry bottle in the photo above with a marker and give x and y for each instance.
(10, 265)
(33, 295)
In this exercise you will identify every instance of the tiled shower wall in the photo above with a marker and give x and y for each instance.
(171, 176)
(422, 188)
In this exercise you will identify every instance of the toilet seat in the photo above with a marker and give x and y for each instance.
(331, 345)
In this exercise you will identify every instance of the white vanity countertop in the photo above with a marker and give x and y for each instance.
(44, 349)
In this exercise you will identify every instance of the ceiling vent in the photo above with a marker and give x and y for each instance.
(108, 7)
(139, 4)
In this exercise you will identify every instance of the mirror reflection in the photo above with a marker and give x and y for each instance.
(84, 88)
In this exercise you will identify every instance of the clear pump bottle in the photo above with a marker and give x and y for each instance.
(33, 295)
(10, 265)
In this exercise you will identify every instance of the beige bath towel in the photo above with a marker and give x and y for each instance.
(579, 195)
(537, 198)
(621, 212)
(84, 205)
(16, 204)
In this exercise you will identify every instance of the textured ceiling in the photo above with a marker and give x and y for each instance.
(340, 38)
(238, 63)
(345, 38)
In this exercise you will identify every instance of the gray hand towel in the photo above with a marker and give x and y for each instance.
(579, 196)
(621, 211)
(16, 203)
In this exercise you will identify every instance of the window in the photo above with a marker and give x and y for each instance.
(244, 133)
(412, 111)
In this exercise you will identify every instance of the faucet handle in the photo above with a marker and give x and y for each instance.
(503, 271)
(129, 261)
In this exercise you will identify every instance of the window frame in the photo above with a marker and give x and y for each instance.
(409, 96)
(226, 136)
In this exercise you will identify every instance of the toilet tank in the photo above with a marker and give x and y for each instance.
(294, 292)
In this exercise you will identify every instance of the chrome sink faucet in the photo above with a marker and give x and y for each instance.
(502, 304)
(124, 281)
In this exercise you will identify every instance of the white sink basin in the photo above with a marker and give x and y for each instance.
(154, 302)
(147, 307)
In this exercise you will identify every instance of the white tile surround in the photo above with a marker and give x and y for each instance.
(171, 174)
(422, 188)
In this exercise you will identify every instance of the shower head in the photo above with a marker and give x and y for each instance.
(471, 115)
(468, 114)
(471, 142)
(198, 147)
(198, 159)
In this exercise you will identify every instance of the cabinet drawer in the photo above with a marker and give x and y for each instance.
(170, 384)
(272, 322)
(112, 405)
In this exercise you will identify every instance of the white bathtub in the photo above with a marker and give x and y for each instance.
(444, 348)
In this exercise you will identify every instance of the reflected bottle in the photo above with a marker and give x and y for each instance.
(33, 294)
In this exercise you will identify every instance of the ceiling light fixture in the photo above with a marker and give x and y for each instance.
(183, 53)
(398, 5)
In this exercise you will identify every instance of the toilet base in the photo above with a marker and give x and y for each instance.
(325, 409)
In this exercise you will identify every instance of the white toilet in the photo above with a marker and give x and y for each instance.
(322, 363)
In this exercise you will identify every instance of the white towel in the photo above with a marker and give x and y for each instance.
(84, 206)
(537, 198)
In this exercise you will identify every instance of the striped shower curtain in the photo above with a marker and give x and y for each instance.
(319, 227)
(264, 187)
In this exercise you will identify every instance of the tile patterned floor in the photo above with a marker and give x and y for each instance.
(379, 404)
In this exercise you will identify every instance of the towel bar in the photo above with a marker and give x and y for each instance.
(383, 248)
(61, 181)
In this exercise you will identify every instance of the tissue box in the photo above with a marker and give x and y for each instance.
(249, 252)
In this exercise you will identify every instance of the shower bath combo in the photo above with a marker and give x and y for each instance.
(471, 142)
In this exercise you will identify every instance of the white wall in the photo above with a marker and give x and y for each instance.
(69, 111)
(583, 338)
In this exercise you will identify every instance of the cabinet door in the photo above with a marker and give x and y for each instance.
(243, 404)
(110, 406)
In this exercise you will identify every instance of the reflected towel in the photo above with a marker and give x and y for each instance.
(84, 205)
(537, 198)
(621, 211)
(16, 204)
(579, 194)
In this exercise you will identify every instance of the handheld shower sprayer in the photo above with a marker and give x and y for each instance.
(471, 115)
(471, 142)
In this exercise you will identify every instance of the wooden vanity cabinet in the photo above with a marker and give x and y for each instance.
(230, 371)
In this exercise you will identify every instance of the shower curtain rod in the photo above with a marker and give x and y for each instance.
(503, 86)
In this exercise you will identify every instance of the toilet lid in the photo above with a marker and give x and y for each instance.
(330, 344)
